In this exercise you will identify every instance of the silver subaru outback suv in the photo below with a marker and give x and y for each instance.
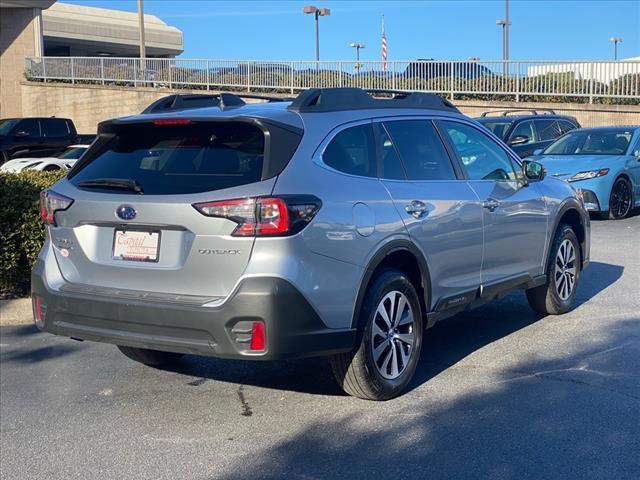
(336, 224)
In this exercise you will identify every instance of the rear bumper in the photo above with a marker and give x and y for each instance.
(293, 328)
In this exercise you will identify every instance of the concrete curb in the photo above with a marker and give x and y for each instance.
(16, 312)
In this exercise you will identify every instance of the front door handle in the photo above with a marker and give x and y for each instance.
(490, 204)
(417, 208)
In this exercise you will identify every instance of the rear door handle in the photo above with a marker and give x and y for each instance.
(417, 208)
(490, 204)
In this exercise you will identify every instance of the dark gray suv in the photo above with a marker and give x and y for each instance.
(337, 224)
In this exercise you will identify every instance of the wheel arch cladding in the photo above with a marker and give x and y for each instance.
(571, 217)
(400, 255)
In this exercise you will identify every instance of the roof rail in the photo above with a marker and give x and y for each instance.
(320, 100)
(175, 102)
(506, 112)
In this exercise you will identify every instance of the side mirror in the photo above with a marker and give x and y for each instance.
(519, 140)
(538, 151)
(636, 154)
(533, 171)
(20, 134)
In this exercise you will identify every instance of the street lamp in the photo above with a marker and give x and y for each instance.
(505, 31)
(317, 12)
(616, 41)
(357, 46)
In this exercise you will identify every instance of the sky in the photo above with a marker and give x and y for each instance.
(278, 30)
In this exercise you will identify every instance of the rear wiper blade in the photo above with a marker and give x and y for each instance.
(118, 183)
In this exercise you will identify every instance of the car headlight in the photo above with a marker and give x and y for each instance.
(589, 175)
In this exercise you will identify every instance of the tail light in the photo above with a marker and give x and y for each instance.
(264, 216)
(257, 337)
(50, 203)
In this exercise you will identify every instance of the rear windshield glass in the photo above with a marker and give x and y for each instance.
(179, 159)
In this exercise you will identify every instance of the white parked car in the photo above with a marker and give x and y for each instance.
(64, 161)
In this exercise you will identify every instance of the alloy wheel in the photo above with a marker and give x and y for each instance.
(565, 270)
(620, 199)
(393, 335)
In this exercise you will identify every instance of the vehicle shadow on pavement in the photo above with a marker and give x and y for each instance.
(445, 344)
(572, 415)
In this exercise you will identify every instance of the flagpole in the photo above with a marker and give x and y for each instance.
(384, 47)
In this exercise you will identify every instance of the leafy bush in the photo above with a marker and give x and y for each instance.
(21, 230)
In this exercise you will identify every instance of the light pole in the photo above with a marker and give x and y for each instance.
(357, 46)
(317, 12)
(141, 29)
(616, 41)
(505, 31)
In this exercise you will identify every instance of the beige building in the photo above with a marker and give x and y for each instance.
(20, 36)
(44, 27)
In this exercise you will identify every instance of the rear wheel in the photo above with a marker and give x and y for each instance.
(391, 326)
(621, 199)
(152, 358)
(557, 295)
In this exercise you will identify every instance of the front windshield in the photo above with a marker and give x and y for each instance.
(498, 128)
(7, 125)
(72, 153)
(591, 142)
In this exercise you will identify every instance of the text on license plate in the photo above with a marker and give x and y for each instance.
(141, 246)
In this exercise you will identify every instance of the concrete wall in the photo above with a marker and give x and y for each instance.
(87, 105)
(18, 38)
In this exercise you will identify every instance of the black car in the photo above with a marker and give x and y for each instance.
(35, 137)
(525, 133)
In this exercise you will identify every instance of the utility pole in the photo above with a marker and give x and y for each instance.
(505, 22)
(141, 29)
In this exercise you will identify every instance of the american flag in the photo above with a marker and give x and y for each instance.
(384, 48)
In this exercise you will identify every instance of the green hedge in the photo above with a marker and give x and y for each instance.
(21, 230)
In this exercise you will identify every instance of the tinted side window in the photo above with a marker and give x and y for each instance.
(353, 151)
(391, 165)
(482, 158)
(547, 129)
(422, 152)
(29, 126)
(55, 128)
(524, 129)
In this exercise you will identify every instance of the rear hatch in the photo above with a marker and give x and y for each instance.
(132, 225)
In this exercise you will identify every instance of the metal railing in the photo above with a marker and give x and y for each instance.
(513, 80)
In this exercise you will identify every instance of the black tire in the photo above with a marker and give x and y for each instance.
(621, 199)
(356, 371)
(152, 358)
(545, 299)
(51, 168)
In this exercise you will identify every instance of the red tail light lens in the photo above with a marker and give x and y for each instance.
(257, 337)
(50, 203)
(264, 216)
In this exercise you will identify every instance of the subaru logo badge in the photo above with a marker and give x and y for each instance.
(126, 212)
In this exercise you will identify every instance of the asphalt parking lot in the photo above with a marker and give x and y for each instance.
(499, 393)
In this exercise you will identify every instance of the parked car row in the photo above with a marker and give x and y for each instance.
(602, 163)
(35, 137)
